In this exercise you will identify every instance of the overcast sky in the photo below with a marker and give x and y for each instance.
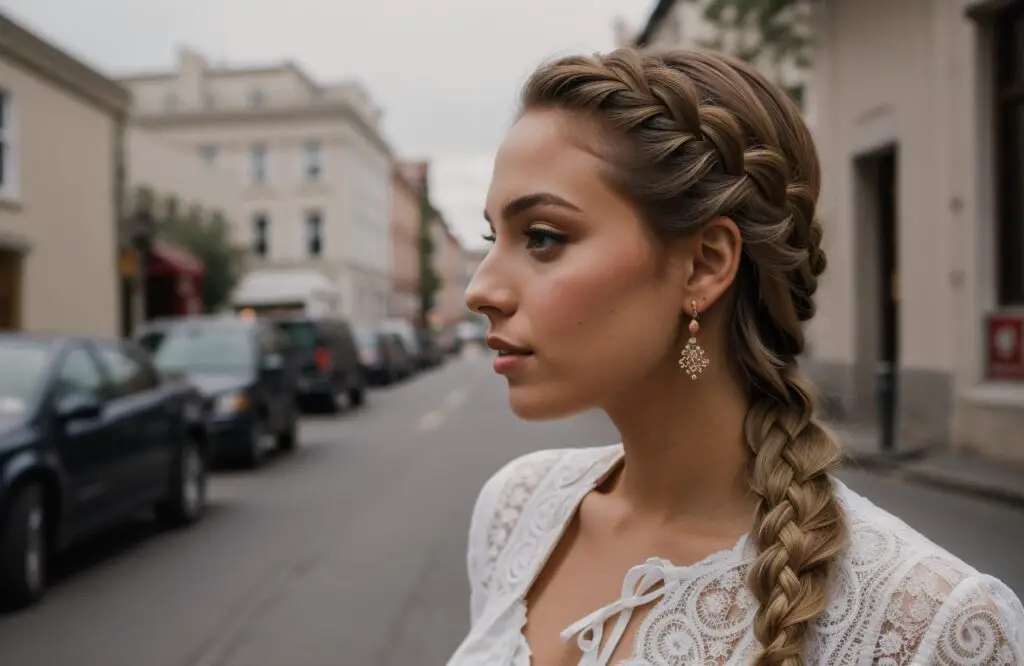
(446, 71)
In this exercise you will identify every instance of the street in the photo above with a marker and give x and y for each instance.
(352, 550)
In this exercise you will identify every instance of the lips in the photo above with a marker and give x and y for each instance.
(506, 348)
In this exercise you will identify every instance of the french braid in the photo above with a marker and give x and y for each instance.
(694, 136)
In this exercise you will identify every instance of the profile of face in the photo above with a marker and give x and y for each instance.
(581, 301)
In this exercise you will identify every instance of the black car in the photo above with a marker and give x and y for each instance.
(382, 356)
(246, 372)
(328, 359)
(89, 433)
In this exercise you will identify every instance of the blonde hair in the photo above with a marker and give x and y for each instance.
(694, 136)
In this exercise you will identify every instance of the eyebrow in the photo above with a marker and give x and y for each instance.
(524, 203)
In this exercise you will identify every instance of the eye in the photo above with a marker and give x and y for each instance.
(490, 238)
(543, 240)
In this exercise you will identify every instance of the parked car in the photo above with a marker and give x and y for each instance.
(410, 340)
(328, 359)
(247, 374)
(89, 433)
(381, 355)
(431, 353)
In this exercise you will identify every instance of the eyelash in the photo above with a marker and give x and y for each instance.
(533, 234)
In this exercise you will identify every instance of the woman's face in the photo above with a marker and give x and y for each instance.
(573, 279)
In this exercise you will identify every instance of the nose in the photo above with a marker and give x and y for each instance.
(489, 293)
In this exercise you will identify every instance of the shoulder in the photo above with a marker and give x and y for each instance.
(914, 601)
(509, 493)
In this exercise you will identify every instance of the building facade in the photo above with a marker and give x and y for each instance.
(920, 136)
(451, 298)
(312, 167)
(405, 241)
(61, 188)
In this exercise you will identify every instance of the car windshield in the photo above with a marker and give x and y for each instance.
(218, 348)
(302, 334)
(365, 338)
(24, 364)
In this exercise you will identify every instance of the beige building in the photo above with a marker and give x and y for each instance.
(682, 23)
(920, 135)
(61, 134)
(313, 169)
(405, 239)
(171, 171)
(451, 300)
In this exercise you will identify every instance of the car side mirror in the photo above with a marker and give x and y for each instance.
(77, 407)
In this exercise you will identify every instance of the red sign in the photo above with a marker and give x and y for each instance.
(1005, 345)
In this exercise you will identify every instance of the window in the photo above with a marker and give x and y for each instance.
(227, 348)
(24, 363)
(208, 154)
(1009, 108)
(256, 99)
(79, 376)
(128, 375)
(8, 162)
(314, 160)
(314, 233)
(260, 234)
(259, 164)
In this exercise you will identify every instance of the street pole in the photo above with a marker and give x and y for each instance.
(885, 378)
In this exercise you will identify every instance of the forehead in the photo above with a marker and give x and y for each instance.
(548, 151)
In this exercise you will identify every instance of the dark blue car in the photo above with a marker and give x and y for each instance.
(89, 433)
(246, 372)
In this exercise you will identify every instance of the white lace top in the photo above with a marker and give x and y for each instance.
(898, 599)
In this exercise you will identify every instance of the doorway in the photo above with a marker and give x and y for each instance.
(10, 289)
(877, 280)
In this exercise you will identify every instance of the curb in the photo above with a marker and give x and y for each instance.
(951, 482)
(900, 466)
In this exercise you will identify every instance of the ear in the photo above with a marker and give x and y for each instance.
(715, 253)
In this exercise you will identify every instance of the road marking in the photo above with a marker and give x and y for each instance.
(431, 420)
(455, 399)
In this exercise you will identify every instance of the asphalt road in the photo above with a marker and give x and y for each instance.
(351, 552)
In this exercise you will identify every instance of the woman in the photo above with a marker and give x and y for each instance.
(655, 255)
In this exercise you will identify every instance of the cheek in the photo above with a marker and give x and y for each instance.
(600, 306)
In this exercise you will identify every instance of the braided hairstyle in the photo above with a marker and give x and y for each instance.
(694, 136)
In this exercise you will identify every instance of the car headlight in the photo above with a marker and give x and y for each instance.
(231, 403)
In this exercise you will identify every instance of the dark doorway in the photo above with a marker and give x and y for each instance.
(878, 289)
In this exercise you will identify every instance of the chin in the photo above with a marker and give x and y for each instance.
(535, 404)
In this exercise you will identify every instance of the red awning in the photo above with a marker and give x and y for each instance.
(168, 259)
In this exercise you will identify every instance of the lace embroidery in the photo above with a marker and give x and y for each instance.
(897, 599)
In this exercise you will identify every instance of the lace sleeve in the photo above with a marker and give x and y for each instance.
(940, 615)
(498, 506)
(981, 622)
(476, 556)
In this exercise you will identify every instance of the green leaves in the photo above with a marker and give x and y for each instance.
(430, 280)
(206, 235)
(764, 31)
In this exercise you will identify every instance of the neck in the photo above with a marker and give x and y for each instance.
(686, 458)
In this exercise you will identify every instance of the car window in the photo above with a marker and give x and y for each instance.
(128, 375)
(197, 348)
(79, 375)
(24, 364)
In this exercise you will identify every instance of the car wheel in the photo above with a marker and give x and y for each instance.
(357, 396)
(187, 501)
(23, 549)
(255, 453)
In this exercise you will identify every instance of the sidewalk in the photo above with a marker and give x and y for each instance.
(959, 471)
